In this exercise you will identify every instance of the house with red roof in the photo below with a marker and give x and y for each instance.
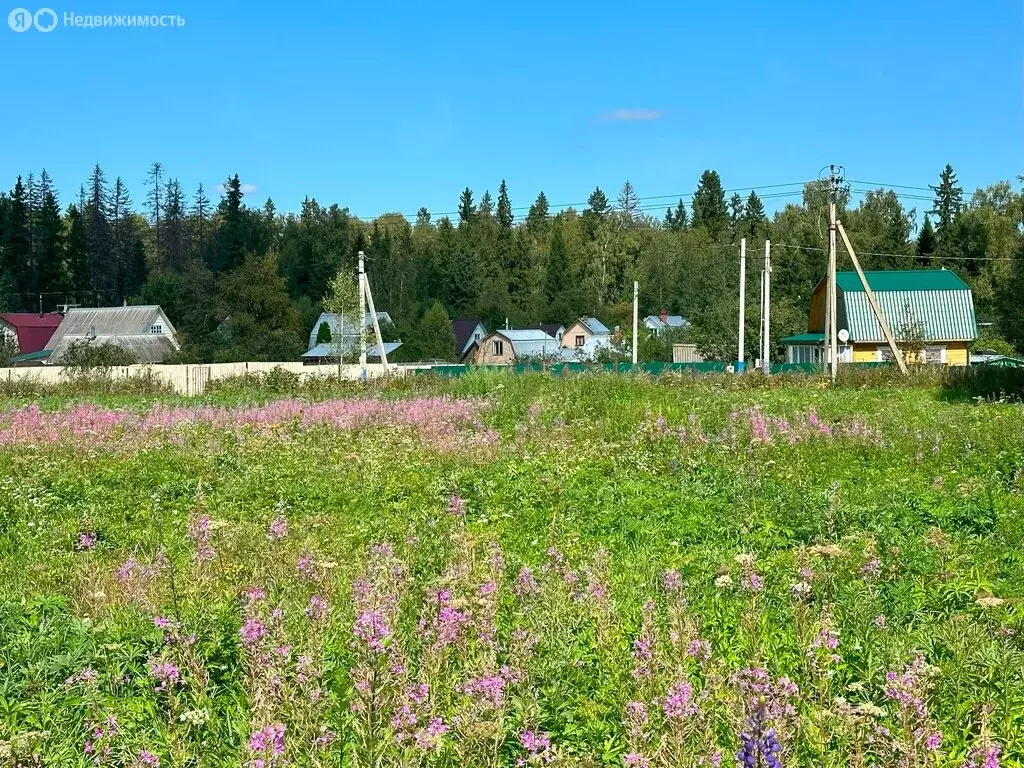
(30, 330)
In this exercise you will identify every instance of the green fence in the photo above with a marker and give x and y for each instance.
(651, 369)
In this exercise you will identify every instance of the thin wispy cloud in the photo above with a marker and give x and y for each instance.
(247, 189)
(633, 114)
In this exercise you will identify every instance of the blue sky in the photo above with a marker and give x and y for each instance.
(390, 106)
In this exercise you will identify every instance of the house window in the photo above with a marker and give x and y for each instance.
(804, 353)
(885, 354)
(156, 328)
(580, 340)
(497, 348)
(935, 355)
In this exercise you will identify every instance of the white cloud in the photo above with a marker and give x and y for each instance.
(247, 189)
(633, 114)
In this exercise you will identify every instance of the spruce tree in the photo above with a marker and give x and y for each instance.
(49, 238)
(486, 207)
(102, 265)
(628, 204)
(175, 241)
(926, 242)
(231, 237)
(709, 209)
(504, 215)
(77, 252)
(422, 217)
(537, 216)
(17, 242)
(200, 215)
(598, 202)
(154, 204)
(466, 208)
(675, 220)
(949, 201)
(754, 218)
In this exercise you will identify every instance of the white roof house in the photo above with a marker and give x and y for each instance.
(143, 330)
(345, 333)
(664, 321)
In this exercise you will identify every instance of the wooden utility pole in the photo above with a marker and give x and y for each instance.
(741, 360)
(636, 313)
(875, 308)
(766, 346)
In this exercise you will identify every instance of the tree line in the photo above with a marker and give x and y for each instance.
(244, 282)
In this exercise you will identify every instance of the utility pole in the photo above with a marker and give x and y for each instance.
(831, 325)
(766, 360)
(361, 319)
(376, 325)
(741, 356)
(636, 302)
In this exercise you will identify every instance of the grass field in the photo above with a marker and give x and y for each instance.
(507, 570)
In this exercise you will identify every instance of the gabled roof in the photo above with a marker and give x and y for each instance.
(671, 321)
(32, 329)
(552, 329)
(464, 329)
(529, 342)
(126, 327)
(934, 302)
(334, 322)
(594, 325)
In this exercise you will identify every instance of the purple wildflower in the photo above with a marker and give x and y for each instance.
(318, 608)
(526, 584)
(456, 506)
(165, 673)
(86, 540)
(252, 631)
(278, 528)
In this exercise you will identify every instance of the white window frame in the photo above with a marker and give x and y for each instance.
(580, 341)
(933, 348)
(156, 328)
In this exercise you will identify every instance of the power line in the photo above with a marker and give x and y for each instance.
(899, 255)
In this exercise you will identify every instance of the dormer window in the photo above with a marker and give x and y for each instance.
(156, 328)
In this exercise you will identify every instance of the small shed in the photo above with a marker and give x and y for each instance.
(686, 353)
(505, 347)
(586, 337)
(31, 331)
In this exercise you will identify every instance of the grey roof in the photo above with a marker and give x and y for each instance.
(530, 342)
(671, 321)
(330, 350)
(334, 323)
(126, 327)
(594, 325)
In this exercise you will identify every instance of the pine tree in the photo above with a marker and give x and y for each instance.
(466, 208)
(709, 209)
(505, 217)
(422, 217)
(926, 242)
(537, 216)
(596, 211)
(949, 201)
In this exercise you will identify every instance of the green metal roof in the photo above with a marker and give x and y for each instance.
(805, 338)
(30, 357)
(902, 280)
(1005, 362)
(934, 303)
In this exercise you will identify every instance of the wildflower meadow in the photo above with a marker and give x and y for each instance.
(517, 571)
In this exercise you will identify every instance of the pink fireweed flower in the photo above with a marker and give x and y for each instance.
(86, 540)
(86, 676)
(163, 623)
(318, 608)
(165, 673)
(427, 739)
(306, 567)
(253, 595)
(635, 760)
(679, 701)
(372, 628)
(672, 581)
(200, 529)
(278, 528)
(267, 746)
(933, 741)
(871, 569)
(148, 758)
(252, 631)
(699, 649)
(488, 690)
(526, 585)
(879, 621)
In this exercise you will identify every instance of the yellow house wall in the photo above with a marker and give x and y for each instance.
(485, 355)
(956, 353)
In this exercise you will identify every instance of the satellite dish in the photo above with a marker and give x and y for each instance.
(844, 335)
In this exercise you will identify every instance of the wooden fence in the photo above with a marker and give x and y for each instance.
(192, 379)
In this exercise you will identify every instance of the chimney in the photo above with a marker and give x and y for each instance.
(663, 316)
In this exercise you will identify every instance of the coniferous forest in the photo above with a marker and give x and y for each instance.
(243, 281)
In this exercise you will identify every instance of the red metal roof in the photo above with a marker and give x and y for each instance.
(33, 330)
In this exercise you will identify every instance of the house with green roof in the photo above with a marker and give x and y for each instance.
(929, 311)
